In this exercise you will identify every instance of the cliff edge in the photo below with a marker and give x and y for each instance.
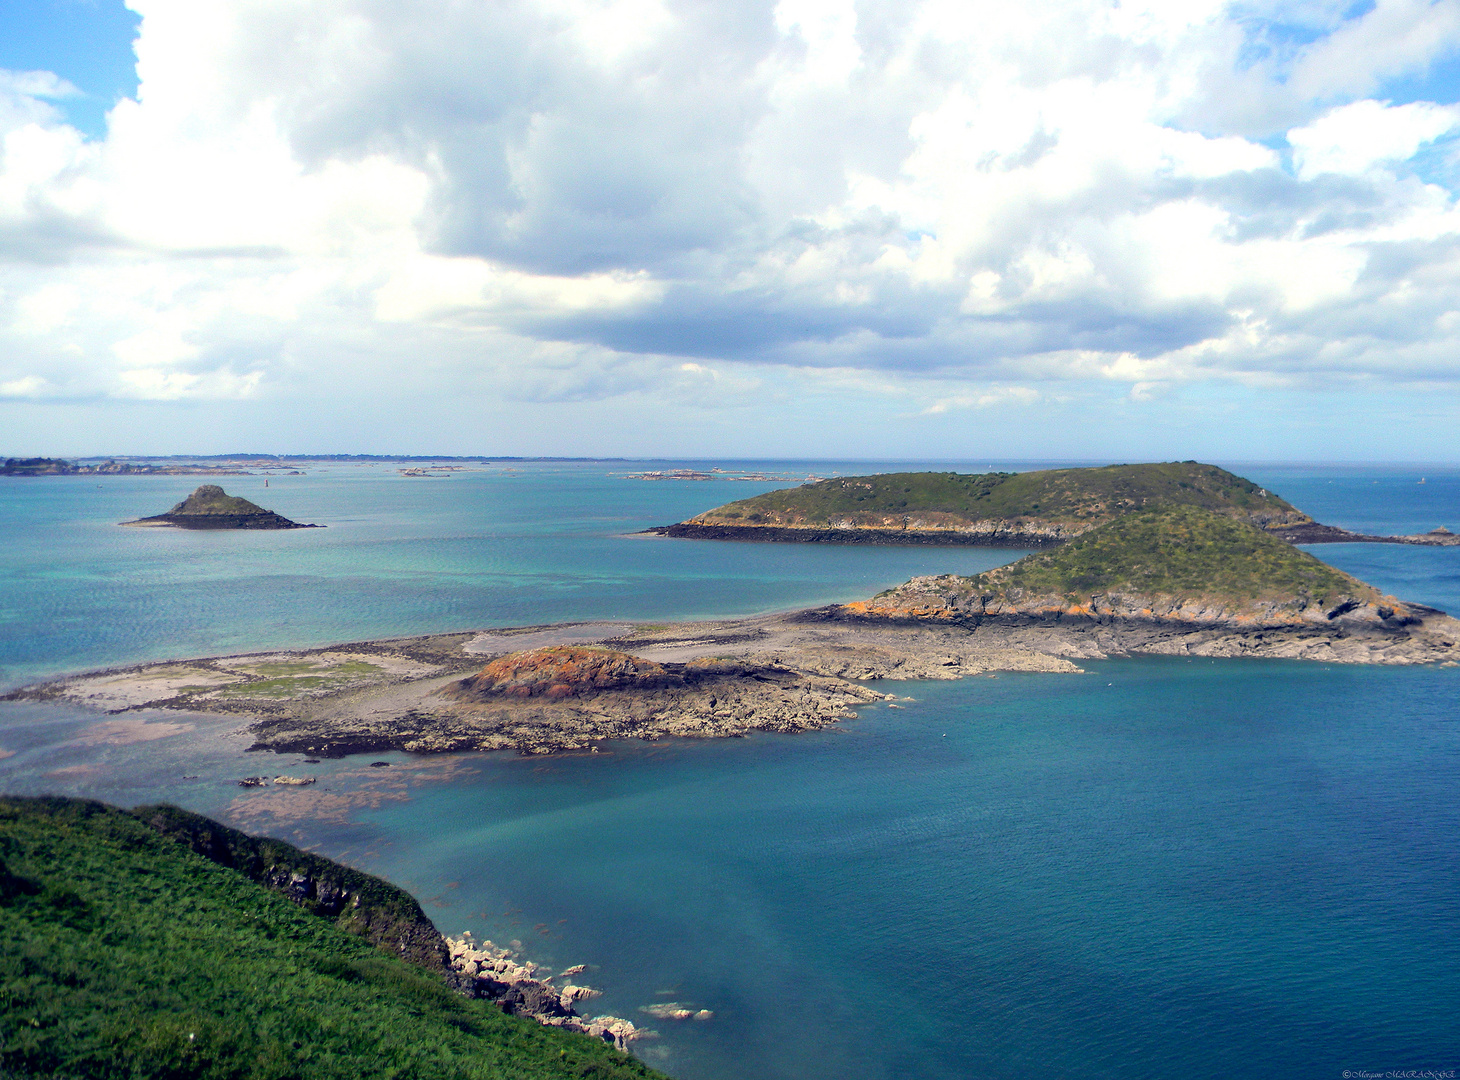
(1156, 575)
(127, 954)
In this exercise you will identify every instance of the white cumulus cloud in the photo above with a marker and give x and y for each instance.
(567, 200)
(1357, 137)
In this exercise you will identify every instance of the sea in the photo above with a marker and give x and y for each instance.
(1157, 868)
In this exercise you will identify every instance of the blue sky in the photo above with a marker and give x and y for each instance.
(86, 42)
(753, 227)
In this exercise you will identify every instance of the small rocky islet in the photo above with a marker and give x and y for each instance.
(210, 507)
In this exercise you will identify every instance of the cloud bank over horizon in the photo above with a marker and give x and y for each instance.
(926, 214)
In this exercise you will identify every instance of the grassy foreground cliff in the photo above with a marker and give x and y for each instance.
(123, 953)
(1043, 507)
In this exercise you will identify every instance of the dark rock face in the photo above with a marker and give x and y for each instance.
(533, 999)
(1011, 537)
(220, 521)
(210, 507)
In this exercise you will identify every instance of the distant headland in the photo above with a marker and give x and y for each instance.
(41, 466)
(210, 507)
(1030, 509)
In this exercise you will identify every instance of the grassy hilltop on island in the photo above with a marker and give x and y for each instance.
(124, 953)
(1043, 507)
(1180, 562)
(210, 507)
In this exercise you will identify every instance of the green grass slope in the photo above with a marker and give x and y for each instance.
(1178, 563)
(385, 915)
(125, 954)
(212, 499)
(1177, 551)
(1078, 499)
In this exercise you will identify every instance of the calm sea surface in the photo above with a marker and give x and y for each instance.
(1159, 868)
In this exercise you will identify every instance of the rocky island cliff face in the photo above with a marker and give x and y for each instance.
(210, 507)
(1033, 509)
(1152, 579)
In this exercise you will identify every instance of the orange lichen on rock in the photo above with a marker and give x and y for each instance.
(888, 608)
(563, 671)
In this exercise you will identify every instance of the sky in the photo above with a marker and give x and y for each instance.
(732, 228)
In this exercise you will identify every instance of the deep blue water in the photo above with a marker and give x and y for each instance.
(1159, 868)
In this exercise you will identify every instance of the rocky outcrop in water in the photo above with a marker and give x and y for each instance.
(1314, 533)
(558, 698)
(210, 507)
(495, 973)
(1033, 509)
(1175, 580)
(1038, 509)
(946, 598)
(1001, 534)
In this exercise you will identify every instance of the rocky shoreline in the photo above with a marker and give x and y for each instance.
(497, 974)
(1314, 533)
(996, 534)
(392, 920)
(210, 507)
(792, 672)
(1002, 534)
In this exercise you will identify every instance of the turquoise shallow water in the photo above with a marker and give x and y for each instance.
(503, 546)
(1158, 868)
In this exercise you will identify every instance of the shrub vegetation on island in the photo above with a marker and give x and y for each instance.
(1176, 551)
(125, 954)
(210, 507)
(1178, 563)
(1077, 498)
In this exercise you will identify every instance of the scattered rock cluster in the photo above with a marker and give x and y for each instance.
(674, 1010)
(288, 781)
(492, 972)
(1357, 631)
